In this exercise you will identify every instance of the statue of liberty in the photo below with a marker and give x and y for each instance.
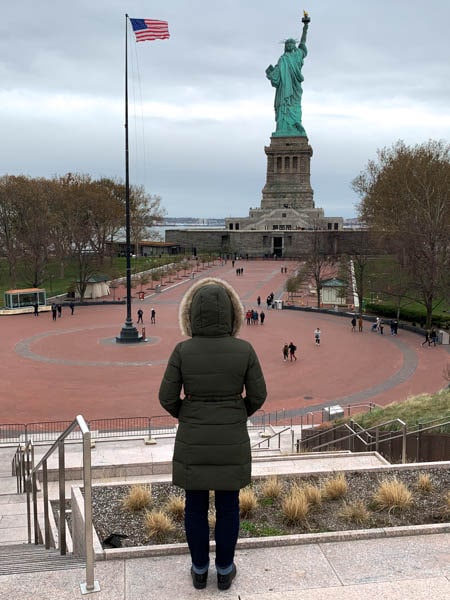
(287, 78)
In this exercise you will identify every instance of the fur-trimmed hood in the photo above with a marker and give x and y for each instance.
(211, 307)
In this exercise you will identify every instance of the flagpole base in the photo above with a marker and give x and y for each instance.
(129, 335)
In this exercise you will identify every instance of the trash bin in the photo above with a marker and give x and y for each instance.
(279, 304)
(443, 337)
(157, 288)
(331, 413)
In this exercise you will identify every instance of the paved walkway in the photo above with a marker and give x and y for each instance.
(53, 370)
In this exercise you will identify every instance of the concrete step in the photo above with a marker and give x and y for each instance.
(29, 558)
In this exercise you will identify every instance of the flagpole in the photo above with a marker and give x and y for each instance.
(128, 334)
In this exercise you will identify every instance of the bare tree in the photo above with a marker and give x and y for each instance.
(406, 194)
(317, 263)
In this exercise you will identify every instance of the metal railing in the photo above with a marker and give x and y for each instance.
(90, 585)
(364, 435)
(372, 437)
(44, 432)
(277, 434)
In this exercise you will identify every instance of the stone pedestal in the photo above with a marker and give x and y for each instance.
(288, 182)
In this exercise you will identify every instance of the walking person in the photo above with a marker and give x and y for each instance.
(262, 316)
(72, 307)
(360, 323)
(54, 311)
(317, 336)
(427, 338)
(292, 350)
(153, 317)
(433, 337)
(285, 351)
(59, 308)
(353, 323)
(222, 384)
(140, 314)
(36, 309)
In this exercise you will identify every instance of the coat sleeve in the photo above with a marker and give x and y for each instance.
(171, 384)
(255, 385)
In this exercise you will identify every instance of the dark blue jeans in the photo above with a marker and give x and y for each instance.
(197, 527)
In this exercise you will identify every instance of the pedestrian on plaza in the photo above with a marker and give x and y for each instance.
(262, 316)
(285, 351)
(54, 311)
(433, 337)
(36, 309)
(381, 326)
(360, 323)
(353, 323)
(258, 300)
(395, 327)
(153, 316)
(72, 307)
(140, 314)
(221, 384)
(59, 308)
(317, 336)
(292, 350)
(427, 338)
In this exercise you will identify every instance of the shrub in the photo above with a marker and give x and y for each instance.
(313, 494)
(424, 482)
(354, 512)
(392, 494)
(335, 487)
(271, 487)
(247, 501)
(139, 497)
(158, 524)
(295, 506)
(175, 507)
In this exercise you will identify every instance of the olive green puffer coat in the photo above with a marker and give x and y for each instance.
(222, 383)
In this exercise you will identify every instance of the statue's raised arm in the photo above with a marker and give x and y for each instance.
(306, 21)
(287, 78)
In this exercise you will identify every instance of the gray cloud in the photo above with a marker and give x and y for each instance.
(201, 108)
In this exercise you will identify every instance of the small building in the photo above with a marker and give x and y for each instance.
(334, 291)
(25, 297)
(96, 287)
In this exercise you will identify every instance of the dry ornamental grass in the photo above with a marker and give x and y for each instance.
(303, 505)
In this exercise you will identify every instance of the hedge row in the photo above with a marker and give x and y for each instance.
(415, 316)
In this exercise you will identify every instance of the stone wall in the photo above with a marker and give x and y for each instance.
(260, 244)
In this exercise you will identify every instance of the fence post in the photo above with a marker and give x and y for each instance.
(419, 443)
(404, 443)
(150, 441)
(90, 585)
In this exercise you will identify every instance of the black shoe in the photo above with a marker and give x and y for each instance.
(199, 581)
(224, 581)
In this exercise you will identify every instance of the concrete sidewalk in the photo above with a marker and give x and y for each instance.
(414, 567)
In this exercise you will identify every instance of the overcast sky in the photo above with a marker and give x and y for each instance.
(201, 108)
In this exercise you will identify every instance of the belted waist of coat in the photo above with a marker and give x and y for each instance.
(213, 398)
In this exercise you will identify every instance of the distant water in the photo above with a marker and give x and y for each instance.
(161, 229)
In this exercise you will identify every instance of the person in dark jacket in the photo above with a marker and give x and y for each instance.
(212, 384)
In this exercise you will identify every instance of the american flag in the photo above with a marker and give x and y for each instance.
(150, 29)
